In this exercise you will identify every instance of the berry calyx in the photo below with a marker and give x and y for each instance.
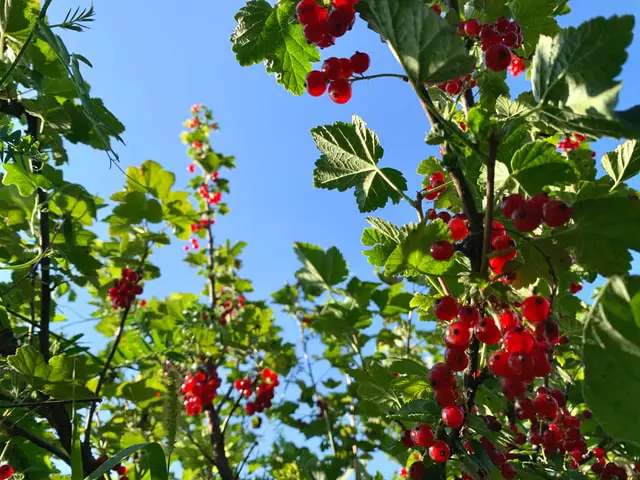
(340, 91)
(453, 417)
(535, 308)
(360, 62)
(440, 451)
(441, 250)
(497, 57)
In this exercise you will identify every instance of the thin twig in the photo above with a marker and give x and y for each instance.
(244, 460)
(15, 430)
(49, 402)
(199, 447)
(488, 218)
(404, 78)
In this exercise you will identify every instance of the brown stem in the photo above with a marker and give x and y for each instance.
(488, 218)
(217, 442)
(244, 460)
(212, 262)
(13, 429)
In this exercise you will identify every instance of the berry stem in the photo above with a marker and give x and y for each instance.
(404, 78)
(488, 219)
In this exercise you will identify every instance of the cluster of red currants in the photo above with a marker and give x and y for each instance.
(527, 215)
(457, 85)
(6, 471)
(125, 290)
(203, 223)
(421, 436)
(335, 74)
(229, 309)
(571, 142)
(120, 469)
(517, 66)
(200, 389)
(436, 186)
(497, 40)
(264, 392)
(211, 198)
(321, 25)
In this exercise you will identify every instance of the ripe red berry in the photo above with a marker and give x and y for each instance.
(526, 218)
(405, 438)
(446, 397)
(556, 213)
(457, 335)
(422, 435)
(521, 366)
(456, 358)
(453, 417)
(326, 41)
(340, 91)
(436, 8)
(511, 203)
(507, 471)
(507, 244)
(497, 57)
(316, 83)
(472, 28)
(559, 396)
(546, 406)
(445, 308)
(441, 250)
(469, 316)
(498, 363)
(314, 32)
(518, 340)
(453, 87)
(541, 364)
(308, 11)
(501, 24)
(458, 228)
(417, 471)
(488, 332)
(360, 62)
(332, 68)
(340, 20)
(524, 409)
(509, 320)
(440, 451)
(440, 377)
(574, 287)
(537, 202)
(444, 216)
(6, 471)
(436, 177)
(346, 70)
(513, 387)
(535, 308)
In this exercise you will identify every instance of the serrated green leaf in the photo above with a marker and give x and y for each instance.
(24, 180)
(425, 44)
(150, 178)
(271, 34)
(350, 155)
(611, 355)
(619, 124)
(407, 366)
(155, 458)
(535, 18)
(563, 73)
(493, 87)
(486, 10)
(537, 165)
(322, 269)
(623, 163)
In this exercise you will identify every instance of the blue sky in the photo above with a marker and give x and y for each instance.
(153, 60)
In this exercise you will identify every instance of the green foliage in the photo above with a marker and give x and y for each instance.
(623, 163)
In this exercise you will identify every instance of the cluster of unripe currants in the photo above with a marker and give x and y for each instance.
(335, 75)
(265, 391)
(199, 389)
(125, 290)
(321, 25)
(6, 471)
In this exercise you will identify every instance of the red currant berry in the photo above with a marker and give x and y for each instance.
(559, 396)
(307, 11)
(535, 308)
(507, 244)
(340, 20)
(316, 83)
(497, 57)
(498, 363)
(422, 435)
(340, 91)
(441, 250)
(440, 451)
(524, 409)
(360, 62)
(546, 406)
(470, 316)
(456, 358)
(556, 213)
(437, 9)
(501, 24)
(453, 87)
(507, 471)
(574, 287)
(406, 439)
(6, 471)
(518, 340)
(541, 364)
(497, 230)
(444, 216)
(510, 40)
(445, 308)
(326, 41)
(472, 28)
(497, 264)
(526, 219)
(331, 67)
(458, 228)
(314, 32)
(521, 366)
(537, 202)
(417, 471)
(445, 397)
(440, 377)
(453, 417)
(513, 387)
(457, 335)
(436, 177)
(511, 203)
(488, 332)
(509, 320)
(346, 70)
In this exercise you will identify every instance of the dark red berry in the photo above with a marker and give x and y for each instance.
(509, 320)
(440, 451)
(537, 202)
(417, 471)
(331, 67)
(506, 244)
(526, 218)
(340, 20)
(346, 70)
(340, 91)
(316, 83)
(559, 396)
(360, 62)
(440, 377)
(458, 228)
(518, 340)
(406, 439)
(453, 417)
(535, 308)
(472, 28)
(497, 230)
(457, 335)
(308, 12)
(456, 358)
(546, 406)
(497, 57)
(445, 397)
(511, 203)
(524, 409)
(442, 250)
(574, 287)
(488, 332)
(507, 471)
(521, 366)
(513, 387)
(556, 213)
(314, 32)
(547, 331)
(445, 308)
(498, 363)
(541, 364)
(469, 316)
(501, 24)
(422, 435)
(444, 216)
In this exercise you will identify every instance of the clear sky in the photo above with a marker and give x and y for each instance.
(154, 59)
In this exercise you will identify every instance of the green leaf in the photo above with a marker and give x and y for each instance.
(563, 72)
(486, 10)
(24, 180)
(493, 87)
(150, 178)
(271, 34)
(619, 124)
(29, 362)
(535, 18)
(413, 258)
(350, 155)
(155, 458)
(537, 165)
(623, 163)
(322, 269)
(426, 46)
(611, 355)
(406, 366)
